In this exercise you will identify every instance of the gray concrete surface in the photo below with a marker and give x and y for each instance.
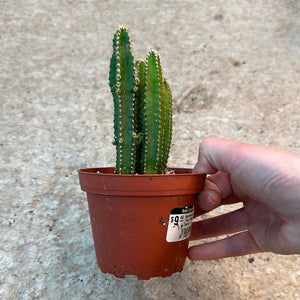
(234, 69)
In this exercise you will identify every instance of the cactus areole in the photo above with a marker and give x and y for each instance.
(142, 110)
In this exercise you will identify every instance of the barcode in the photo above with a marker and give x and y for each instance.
(185, 233)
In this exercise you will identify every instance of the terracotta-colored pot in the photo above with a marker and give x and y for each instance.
(140, 223)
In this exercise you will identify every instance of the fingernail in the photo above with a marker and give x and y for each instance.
(197, 169)
(206, 203)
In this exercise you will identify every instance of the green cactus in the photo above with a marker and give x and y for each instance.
(122, 83)
(167, 125)
(142, 110)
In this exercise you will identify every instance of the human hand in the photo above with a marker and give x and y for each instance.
(266, 181)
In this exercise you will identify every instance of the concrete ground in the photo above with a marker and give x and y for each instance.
(234, 69)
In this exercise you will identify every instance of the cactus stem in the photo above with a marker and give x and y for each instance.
(142, 126)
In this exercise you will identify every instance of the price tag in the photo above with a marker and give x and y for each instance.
(180, 223)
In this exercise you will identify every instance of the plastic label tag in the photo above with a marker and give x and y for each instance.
(180, 223)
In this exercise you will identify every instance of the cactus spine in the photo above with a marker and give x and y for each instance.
(142, 110)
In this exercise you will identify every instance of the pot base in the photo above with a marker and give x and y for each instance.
(121, 272)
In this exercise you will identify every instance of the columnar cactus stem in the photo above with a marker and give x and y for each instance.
(122, 83)
(143, 110)
(152, 121)
(167, 126)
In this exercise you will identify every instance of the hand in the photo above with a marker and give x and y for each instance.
(266, 181)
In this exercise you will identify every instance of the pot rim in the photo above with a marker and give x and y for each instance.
(109, 171)
(108, 183)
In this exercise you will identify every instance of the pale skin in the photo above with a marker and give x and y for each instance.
(266, 181)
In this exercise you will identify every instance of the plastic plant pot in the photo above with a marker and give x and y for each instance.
(141, 223)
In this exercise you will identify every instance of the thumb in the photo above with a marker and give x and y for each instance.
(217, 154)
